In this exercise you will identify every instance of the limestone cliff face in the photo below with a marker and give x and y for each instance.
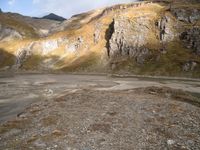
(129, 39)
(157, 38)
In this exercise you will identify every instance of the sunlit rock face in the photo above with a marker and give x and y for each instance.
(129, 39)
(49, 46)
(8, 34)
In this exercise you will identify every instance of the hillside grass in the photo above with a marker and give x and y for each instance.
(21, 27)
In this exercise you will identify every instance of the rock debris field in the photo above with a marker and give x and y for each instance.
(90, 112)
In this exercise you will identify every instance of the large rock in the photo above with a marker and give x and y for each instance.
(129, 39)
(166, 29)
(191, 39)
(21, 56)
(187, 15)
(189, 66)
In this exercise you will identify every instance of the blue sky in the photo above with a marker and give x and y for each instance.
(65, 8)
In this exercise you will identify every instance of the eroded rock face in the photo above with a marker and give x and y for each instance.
(97, 33)
(124, 7)
(22, 55)
(191, 39)
(164, 26)
(73, 47)
(42, 48)
(187, 15)
(189, 66)
(129, 39)
(49, 46)
(7, 34)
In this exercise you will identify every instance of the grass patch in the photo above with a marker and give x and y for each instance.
(83, 63)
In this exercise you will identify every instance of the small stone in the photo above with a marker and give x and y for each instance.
(170, 142)
(57, 132)
(39, 143)
(48, 92)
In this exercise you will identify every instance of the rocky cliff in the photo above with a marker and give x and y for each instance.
(154, 37)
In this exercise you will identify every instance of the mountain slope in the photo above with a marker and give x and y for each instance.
(24, 26)
(55, 17)
(156, 38)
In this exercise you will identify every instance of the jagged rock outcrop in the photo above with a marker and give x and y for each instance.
(22, 55)
(125, 6)
(191, 39)
(186, 15)
(42, 48)
(7, 34)
(189, 66)
(129, 39)
(165, 27)
(97, 33)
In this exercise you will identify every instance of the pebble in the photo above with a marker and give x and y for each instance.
(170, 142)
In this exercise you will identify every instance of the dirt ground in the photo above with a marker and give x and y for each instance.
(95, 115)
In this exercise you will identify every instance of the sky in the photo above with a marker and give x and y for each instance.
(65, 8)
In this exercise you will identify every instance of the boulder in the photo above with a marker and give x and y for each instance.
(191, 39)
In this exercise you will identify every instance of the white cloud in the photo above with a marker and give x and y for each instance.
(11, 2)
(69, 8)
(36, 1)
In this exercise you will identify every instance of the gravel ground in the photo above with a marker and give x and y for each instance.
(88, 119)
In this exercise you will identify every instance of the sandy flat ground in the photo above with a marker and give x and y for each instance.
(98, 112)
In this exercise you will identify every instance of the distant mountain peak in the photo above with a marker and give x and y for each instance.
(53, 16)
(0, 10)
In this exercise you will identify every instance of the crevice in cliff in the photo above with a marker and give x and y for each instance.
(108, 35)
